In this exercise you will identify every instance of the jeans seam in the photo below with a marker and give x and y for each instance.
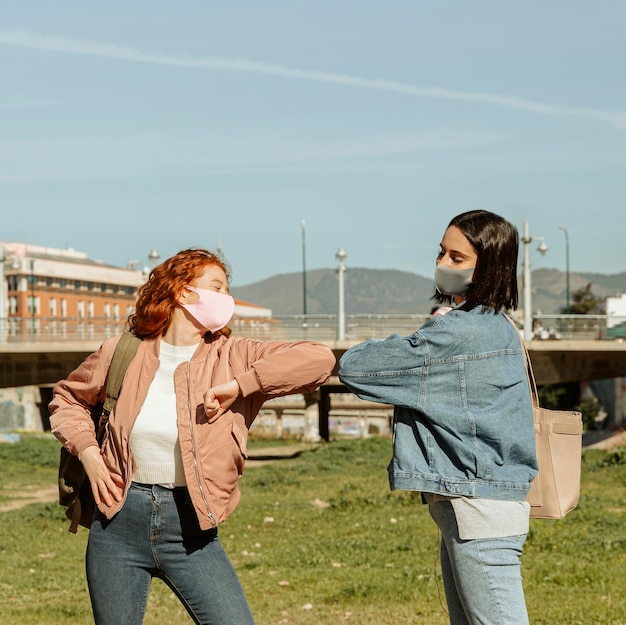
(492, 594)
(168, 580)
(155, 528)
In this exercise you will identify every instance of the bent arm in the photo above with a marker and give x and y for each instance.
(74, 398)
(385, 371)
(277, 369)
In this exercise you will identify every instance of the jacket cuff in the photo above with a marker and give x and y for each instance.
(248, 383)
(81, 441)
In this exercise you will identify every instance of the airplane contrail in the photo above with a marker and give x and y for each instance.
(61, 44)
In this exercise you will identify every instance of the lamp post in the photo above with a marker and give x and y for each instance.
(341, 315)
(542, 249)
(32, 295)
(3, 296)
(303, 224)
(567, 290)
(154, 256)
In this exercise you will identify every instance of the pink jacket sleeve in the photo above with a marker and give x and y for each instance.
(279, 368)
(74, 397)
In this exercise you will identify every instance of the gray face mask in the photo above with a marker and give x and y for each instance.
(453, 281)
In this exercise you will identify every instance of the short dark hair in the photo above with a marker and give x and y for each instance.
(496, 242)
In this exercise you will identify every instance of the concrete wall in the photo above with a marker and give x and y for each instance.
(20, 409)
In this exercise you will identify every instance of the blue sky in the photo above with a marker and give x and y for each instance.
(127, 126)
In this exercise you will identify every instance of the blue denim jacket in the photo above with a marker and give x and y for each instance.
(463, 420)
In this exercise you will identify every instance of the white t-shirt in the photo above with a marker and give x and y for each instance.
(154, 441)
(486, 518)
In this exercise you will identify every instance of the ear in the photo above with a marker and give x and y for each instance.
(186, 297)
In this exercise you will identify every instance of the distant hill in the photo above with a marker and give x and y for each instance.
(389, 291)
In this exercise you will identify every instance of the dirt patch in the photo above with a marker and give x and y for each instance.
(44, 495)
(617, 439)
(50, 493)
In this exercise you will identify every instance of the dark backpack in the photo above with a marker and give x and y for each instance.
(74, 487)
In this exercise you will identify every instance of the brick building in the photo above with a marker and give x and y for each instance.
(48, 294)
(51, 292)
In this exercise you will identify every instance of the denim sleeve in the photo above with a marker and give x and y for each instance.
(387, 372)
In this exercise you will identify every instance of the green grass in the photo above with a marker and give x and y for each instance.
(319, 539)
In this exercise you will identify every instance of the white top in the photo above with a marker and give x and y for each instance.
(154, 441)
(486, 518)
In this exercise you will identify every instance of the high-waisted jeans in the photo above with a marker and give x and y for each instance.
(482, 577)
(156, 534)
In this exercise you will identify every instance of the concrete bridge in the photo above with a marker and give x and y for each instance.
(43, 358)
(554, 362)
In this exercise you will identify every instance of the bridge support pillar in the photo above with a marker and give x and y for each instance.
(311, 417)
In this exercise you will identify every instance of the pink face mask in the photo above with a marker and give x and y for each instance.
(213, 310)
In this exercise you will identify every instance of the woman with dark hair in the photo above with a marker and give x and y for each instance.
(167, 472)
(463, 420)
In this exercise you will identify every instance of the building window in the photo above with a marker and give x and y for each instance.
(90, 309)
(80, 306)
(63, 307)
(107, 310)
(52, 307)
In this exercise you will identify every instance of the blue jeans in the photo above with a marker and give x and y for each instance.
(482, 577)
(156, 534)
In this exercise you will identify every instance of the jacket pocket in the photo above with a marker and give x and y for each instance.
(240, 435)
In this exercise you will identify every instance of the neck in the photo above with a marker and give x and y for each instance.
(181, 332)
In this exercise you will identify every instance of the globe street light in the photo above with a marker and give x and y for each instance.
(3, 296)
(341, 316)
(567, 291)
(154, 256)
(32, 295)
(542, 249)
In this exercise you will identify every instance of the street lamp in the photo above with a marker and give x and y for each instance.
(154, 256)
(304, 269)
(542, 249)
(32, 295)
(567, 291)
(341, 316)
(3, 296)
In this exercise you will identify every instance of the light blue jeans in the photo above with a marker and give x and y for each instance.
(482, 577)
(156, 534)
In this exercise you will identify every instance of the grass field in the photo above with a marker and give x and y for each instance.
(319, 539)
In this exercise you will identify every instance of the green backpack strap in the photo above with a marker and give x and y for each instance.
(124, 353)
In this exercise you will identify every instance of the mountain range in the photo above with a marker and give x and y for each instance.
(389, 291)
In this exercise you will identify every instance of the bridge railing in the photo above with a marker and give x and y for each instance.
(297, 327)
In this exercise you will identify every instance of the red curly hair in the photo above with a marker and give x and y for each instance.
(157, 297)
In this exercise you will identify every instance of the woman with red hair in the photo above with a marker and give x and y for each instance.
(166, 474)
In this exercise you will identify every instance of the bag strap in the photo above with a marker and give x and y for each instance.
(124, 353)
(530, 376)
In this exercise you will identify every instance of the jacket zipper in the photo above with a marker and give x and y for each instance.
(193, 448)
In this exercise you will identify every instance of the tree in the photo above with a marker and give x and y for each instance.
(584, 302)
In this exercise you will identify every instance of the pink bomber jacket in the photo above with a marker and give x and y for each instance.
(213, 451)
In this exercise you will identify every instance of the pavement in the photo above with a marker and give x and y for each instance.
(263, 455)
(606, 439)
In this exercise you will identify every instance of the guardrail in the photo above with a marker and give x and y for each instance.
(297, 327)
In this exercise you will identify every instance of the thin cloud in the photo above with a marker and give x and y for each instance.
(61, 44)
(157, 154)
